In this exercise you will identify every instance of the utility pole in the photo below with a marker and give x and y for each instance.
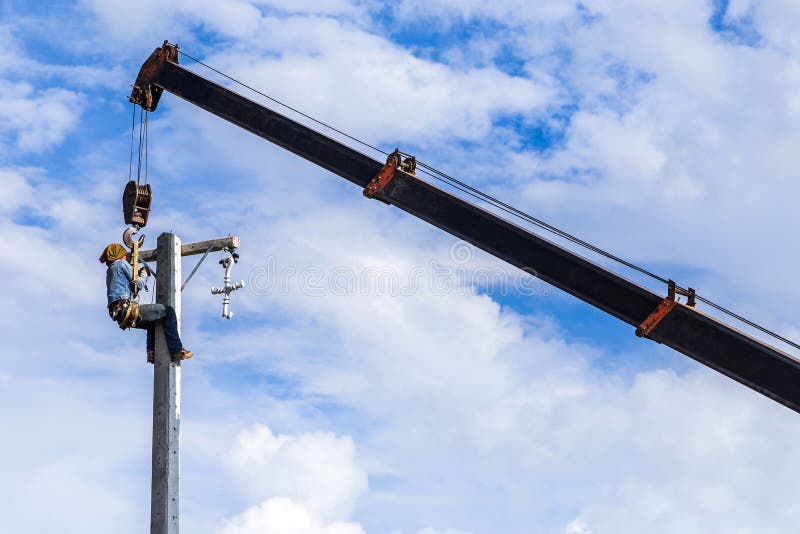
(164, 497)
(166, 396)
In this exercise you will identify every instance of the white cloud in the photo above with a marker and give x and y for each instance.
(17, 65)
(63, 448)
(36, 120)
(774, 20)
(510, 11)
(578, 526)
(231, 19)
(282, 516)
(321, 7)
(373, 88)
(34, 209)
(317, 470)
(16, 190)
(9, 50)
(738, 8)
(308, 483)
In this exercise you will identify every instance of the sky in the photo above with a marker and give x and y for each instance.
(378, 375)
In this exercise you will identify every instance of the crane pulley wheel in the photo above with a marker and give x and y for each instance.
(136, 204)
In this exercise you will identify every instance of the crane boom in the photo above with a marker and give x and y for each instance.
(733, 353)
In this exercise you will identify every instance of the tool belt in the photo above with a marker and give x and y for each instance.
(125, 312)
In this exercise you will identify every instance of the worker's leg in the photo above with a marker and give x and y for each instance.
(151, 337)
(151, 342)
(150, 313)
(171, 331)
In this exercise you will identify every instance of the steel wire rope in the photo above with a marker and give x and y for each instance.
(146, 152)
(507, 208)
(747, 321)
(133, 129)
(141, 134)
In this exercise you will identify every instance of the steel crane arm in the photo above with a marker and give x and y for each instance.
(703, 338)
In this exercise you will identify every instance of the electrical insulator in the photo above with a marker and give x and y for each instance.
(228, 287)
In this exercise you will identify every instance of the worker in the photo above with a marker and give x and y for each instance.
(123, 309)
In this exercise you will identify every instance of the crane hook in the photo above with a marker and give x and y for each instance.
(127, 238)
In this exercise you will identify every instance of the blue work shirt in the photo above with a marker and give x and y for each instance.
(119, 281)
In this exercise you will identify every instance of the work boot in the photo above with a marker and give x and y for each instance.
(182, 355)
(151, 356)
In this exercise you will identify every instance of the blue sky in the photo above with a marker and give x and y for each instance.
(664, 133)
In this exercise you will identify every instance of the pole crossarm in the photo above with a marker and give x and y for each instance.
(199, 247)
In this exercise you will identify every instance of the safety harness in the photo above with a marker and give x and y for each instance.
(125, 312)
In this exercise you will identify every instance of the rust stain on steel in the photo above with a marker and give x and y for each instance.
(658, 314)
(384, 176)
(144, 93)
(380, 181)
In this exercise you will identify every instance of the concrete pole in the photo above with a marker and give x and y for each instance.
(166, 396)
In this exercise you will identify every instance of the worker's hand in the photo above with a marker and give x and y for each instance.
(144, 272)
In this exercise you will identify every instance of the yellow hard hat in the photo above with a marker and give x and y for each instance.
(113, 252)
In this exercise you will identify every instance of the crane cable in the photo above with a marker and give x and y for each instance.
(133, 128)
(142, 150)
(143, 115)
(503, 206)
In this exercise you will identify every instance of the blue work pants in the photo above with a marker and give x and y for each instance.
(149, 314)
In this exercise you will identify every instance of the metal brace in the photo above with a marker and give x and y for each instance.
(394, 162)
(664, 307)
(228, 287)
